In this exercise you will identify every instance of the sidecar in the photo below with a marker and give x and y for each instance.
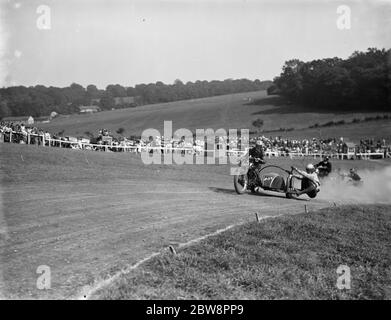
(277, 182)
(268, 181)
(273, 182)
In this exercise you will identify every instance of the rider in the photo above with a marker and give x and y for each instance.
(257, 154)
(309, 181)
(353, 175)
(324, 167)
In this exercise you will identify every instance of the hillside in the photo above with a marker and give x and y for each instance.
(228, 111)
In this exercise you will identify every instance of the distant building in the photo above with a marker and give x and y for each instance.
(44, 119)
(19, 120)
(89, 109)
(132, 101)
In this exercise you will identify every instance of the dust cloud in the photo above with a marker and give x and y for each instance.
(376, 188)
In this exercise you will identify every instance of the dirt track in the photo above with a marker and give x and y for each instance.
(87, 215)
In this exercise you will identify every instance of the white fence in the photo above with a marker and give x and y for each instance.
(169, 149)
(341, 156)
(104, 147)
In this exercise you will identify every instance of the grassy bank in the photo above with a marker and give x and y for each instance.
(227, 111)
(291, 257)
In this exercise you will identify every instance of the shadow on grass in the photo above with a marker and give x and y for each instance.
(276, 195)
(281, 105)
(223, 190)
(258, 193)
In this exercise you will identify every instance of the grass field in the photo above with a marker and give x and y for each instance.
(291, 257)
(228, 111)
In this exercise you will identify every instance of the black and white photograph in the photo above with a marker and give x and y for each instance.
(205, 152)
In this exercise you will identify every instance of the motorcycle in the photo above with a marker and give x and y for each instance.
(253, 178)
(349, 180)
(322, 172)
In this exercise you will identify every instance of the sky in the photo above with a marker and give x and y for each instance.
(129, 42)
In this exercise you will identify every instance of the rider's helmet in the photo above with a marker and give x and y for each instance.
(310, 168)
(259, 142)
(352, 170)
(326, 158)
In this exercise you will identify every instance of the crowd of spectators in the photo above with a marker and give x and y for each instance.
(318, 145)
(20, 133)
(104, 141)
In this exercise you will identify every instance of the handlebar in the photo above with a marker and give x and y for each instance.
(258, 160)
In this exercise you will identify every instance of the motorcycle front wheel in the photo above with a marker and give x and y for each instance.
(241, 183)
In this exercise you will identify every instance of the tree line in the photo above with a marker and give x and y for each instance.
(41, 100)
(361, 82)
